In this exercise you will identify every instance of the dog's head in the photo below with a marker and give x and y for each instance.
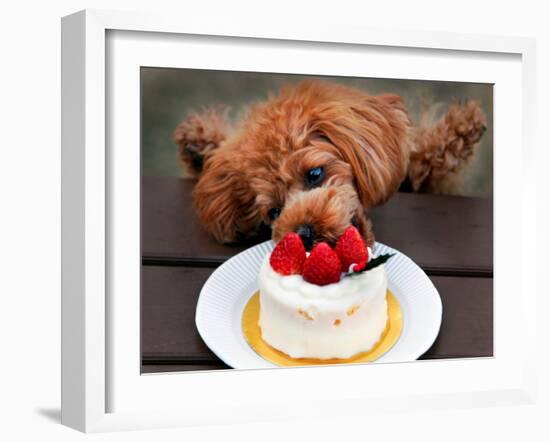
(311, 160)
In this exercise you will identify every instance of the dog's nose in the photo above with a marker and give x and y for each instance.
(307, 234)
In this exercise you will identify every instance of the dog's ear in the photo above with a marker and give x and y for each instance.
(223, 199)
(371, 133)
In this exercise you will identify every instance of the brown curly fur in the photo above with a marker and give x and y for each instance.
(198, 135)
(365, 144)
(444, 149)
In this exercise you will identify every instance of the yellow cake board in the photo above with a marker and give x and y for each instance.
(253, 335)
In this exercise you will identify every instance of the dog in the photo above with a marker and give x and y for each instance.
(314, 159)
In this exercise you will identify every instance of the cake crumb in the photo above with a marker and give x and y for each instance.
(305, 315)
(337, 322)
(352, 310)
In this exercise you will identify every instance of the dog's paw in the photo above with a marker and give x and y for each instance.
(198, 136)
(465, 125)
(444, 149)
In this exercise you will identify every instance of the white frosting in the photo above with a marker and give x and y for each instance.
(337, 320)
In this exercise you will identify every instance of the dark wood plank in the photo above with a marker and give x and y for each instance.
(169, 296)
(170, 368)
(168, 302)
(467, 325)
(444, 235)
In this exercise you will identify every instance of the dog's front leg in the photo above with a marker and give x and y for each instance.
(442, 150)
(198, 136)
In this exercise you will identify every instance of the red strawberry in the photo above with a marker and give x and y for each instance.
(360, 266)
(351, 248)
(322, 266)
(289, 255)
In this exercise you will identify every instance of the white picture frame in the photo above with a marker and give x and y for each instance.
(102, 389)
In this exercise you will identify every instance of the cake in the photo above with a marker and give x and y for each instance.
(324, 305)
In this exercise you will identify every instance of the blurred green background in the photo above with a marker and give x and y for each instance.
(167, 95)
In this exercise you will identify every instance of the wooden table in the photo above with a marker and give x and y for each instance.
(451, 238)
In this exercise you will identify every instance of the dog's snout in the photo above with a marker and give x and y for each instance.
(307, 234)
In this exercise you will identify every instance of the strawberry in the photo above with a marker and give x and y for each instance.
(289, 255)
(322, 266)
(351, 248)
(359, 267)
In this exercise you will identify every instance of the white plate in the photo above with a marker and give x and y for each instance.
(225, 294)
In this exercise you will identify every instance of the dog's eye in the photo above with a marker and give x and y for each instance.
(274, 213)
(315, 176)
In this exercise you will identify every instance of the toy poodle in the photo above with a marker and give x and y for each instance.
(315, 158)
